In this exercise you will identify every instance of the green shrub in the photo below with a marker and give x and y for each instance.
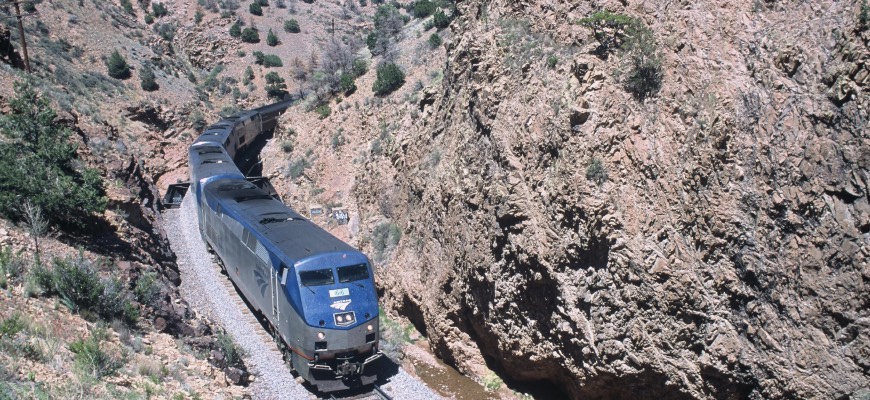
(233, 354)
(296, 168)
(323, 111)
(267, 60)
(347, 84)
(271, 39)
(117, 66)
(264, 3)
(338, 140)
(434, 40)
(250, 35)
(255, 8)
(552, 61)
(11, 325)
(441, 20)
(128, 7)
(92, 359)
(863, 16)
(236, 30)
(360, 67)
(640, 69)
(610, 29)
(159, 10)
(147, 289)
(389, 78)
(385, 237)
(11, 263)
(149, 19)
(197, 17)
(38, 162)
(292, 26)
(423, 8)
(595, 171)
(166, 31)
(80, 288)
(275, 86)
(287, 146)
(148, 81)
(248, 75)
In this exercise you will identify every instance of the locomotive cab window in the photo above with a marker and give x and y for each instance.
(317, 277)
(353, 273)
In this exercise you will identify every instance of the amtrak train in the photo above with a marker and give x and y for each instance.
(316, 292)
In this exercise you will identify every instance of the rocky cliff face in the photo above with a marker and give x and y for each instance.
(725, 252)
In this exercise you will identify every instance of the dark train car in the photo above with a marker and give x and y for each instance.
(316, 291)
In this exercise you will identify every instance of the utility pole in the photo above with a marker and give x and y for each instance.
(20, 18)
(21, 35)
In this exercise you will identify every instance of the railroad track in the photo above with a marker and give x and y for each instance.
(376, 393)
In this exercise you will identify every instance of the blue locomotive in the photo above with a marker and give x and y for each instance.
(316, 292)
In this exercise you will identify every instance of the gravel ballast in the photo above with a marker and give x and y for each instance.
(211, 294)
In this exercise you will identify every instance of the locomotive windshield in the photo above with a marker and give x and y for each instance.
(317, 277)
(352, 273)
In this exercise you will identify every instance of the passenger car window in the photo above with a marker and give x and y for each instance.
(353, 273)
(316, 277)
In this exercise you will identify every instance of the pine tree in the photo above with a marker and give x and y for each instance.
(271, 39)
(117, 66)
(38, 164)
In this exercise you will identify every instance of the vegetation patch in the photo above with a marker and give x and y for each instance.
(38, 163)
(389, 78)
(640, 66)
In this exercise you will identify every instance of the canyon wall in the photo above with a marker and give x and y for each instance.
(710, 240)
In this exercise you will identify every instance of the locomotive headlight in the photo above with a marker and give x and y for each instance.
(320, 335)
(340, 318)
(370, 327)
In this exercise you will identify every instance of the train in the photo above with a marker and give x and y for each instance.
(316, 292)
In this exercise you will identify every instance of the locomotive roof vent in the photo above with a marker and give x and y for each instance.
(242, 199)
(235, 186)
(212, 162)
(272, 218)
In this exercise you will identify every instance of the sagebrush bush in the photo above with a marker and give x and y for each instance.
(323, 111)
(233, 354)
(147, 289)
(148, 81)
(384, 238)
(79, 286)
(91, 357)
